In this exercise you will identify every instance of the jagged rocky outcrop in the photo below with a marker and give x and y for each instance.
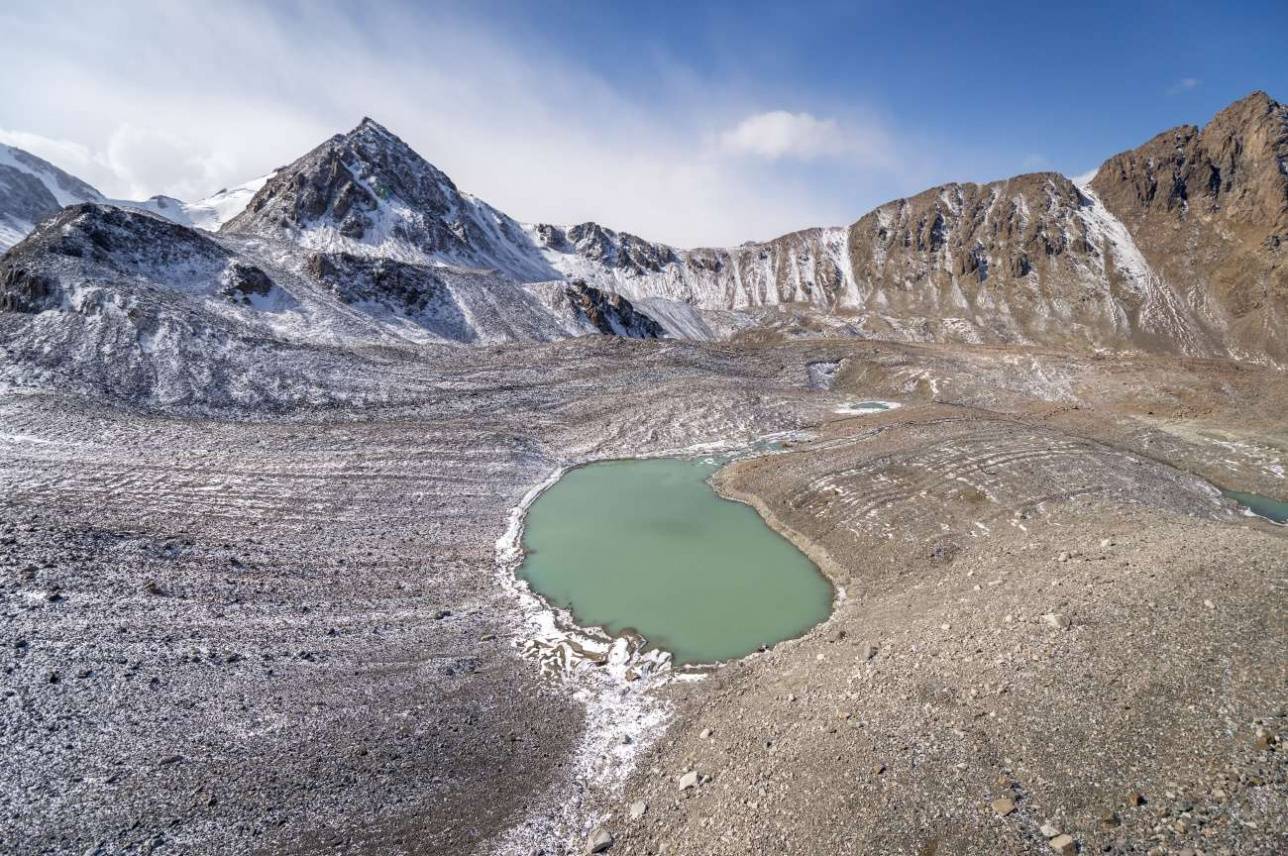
(1177, 246)
(611, 313)
(115, 302)
(24, 291)
(368, 193)
(94, 246)
(1208, 209)
(1030, 260)
(32, 189)
(804, 267)
(416, 292)
(242, 283)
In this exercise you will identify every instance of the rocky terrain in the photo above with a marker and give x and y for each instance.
(261, 488)
(1177, 246)
(31, 190)
(308, 604)
(1209, 211)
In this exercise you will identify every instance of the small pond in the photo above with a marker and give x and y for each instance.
(648, 546)
(862, 408)
(1262, 506)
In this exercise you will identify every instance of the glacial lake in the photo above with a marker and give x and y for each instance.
(864, 408)
(1262, 506)
(648, 546)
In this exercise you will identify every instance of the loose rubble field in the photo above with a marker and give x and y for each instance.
(288, 634)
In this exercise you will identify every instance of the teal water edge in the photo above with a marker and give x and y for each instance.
(1262, 506)
(864, 408)
(648, 546)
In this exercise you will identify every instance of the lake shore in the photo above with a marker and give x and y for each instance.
(310, 604)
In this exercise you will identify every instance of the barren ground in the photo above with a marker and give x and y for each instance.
(288, 635)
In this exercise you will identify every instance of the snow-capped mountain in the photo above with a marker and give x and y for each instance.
(1180, 247)
(209, 213)
(367, 193)
(1035, 259)
(112, 300)
(32, 189)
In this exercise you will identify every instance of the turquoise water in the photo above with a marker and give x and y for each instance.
(861, 408)
(648, 546)
(1263, 506)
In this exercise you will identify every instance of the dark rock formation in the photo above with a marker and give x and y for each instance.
(611, 313)
(369, 187)
(24, 291)
(242, 281)
(410, 288)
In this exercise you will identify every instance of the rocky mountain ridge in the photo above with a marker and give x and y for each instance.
(115, 301)
(1175, 247)
(1031, 260)
(1195, 268)
(1208, 208)
(32, 189)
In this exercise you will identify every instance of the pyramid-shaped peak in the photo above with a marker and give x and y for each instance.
(369, 124)
(362, 183)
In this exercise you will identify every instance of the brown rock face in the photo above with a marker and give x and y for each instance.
(1209, 210)
(801, 267)
(1009, 261)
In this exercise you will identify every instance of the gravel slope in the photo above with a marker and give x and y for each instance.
(286, 634)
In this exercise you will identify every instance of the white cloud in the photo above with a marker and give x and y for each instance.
(134, 162)
(183, 99)
(1185, 84)
(143, 158)
(70, 156)
(1085, 178)
(779, 134)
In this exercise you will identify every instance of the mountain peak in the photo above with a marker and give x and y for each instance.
(1254, 108)
(1258, 98)
(344, 183)
(371, 126)
(369, 193)
(32, 189)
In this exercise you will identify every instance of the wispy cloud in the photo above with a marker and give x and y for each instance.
(134, 162)
(780, 134)
(1185, 84)
(183, 99)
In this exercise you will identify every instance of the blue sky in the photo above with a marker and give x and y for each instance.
(695, 123)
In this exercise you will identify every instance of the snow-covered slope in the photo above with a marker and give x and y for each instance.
(116, 301)
(808, 267)
(32, 189)
(367, 193)
(209, 213)
(375, 236)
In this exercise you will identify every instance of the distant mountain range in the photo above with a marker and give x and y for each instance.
(32, 190)
(1178, 246)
